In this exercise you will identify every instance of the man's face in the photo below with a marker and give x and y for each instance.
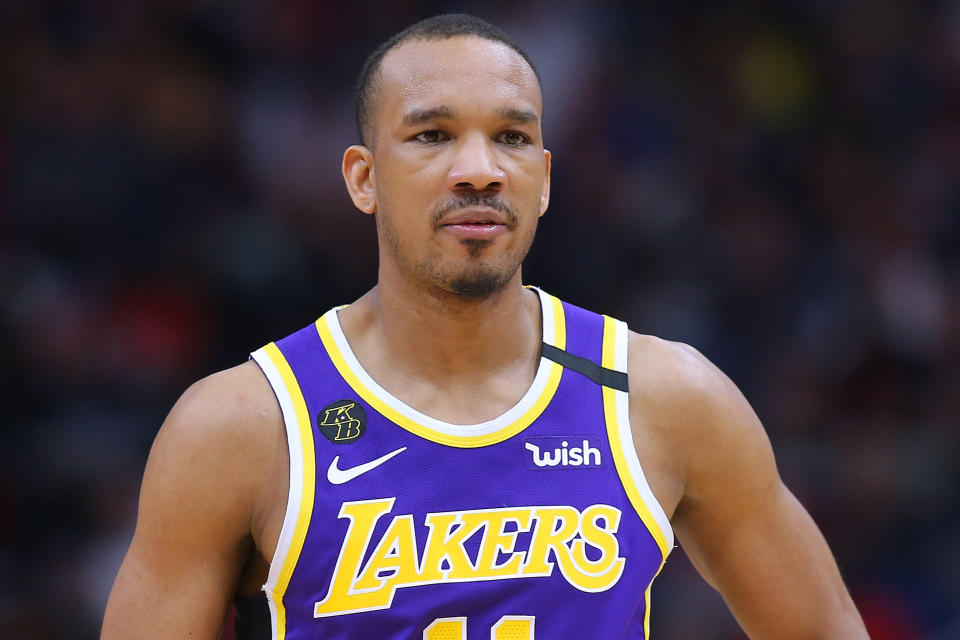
(460, 174)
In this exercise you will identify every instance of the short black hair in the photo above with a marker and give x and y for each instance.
(440, 27)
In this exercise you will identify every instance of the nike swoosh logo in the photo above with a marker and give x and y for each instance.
(338, 476)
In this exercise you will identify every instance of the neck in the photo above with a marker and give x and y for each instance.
(441, 338)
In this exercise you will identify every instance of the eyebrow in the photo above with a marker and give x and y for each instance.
(519, 115)
(422, 116)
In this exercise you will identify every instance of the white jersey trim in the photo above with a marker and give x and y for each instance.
(622, 339)
(294, 496)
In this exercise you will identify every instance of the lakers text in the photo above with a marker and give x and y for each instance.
(394, 563)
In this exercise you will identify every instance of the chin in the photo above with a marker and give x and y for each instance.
(478, 282)
(477, 288)
(472, 279)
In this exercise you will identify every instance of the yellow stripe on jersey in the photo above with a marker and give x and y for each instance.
(646, 601)
(413, 426)
(614, 403)
(308, 483)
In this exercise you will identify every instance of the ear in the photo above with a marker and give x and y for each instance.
(545, 191)
(359, 176)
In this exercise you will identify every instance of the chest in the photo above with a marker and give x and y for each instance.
(398, 525)
(402, 530)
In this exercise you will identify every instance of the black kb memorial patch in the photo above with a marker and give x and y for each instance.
(342, 422)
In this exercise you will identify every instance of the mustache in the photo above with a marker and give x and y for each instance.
(465, 200)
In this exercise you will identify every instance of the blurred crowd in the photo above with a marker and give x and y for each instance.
(776, 183)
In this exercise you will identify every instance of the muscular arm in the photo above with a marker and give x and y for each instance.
(744, 531)
(199, 508)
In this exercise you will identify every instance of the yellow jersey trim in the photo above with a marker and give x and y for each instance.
(646, 601)
(305, 510)
(614, 403)
(536, 408)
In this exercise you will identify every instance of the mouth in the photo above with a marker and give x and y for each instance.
(475, 218)
(475, 224)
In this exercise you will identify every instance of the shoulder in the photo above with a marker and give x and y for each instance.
(230, 405)
(221, 440)
(673, 375)
(690, 408)
(200, 509)
(739, 525)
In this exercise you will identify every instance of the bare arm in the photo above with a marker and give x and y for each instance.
(199, 504)
(744, 531)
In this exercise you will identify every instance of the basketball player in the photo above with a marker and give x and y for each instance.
(455, 455)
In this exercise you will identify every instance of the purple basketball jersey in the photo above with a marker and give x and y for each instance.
(537, 524)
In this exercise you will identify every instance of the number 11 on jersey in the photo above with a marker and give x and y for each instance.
(506, 628)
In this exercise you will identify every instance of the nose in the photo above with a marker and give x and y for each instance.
(475, 165)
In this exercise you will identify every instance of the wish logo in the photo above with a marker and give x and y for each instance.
(553, 452)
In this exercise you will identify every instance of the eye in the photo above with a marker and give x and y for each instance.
(433, 136)
(514, 138)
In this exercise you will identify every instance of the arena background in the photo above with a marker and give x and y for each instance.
(775, 183)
